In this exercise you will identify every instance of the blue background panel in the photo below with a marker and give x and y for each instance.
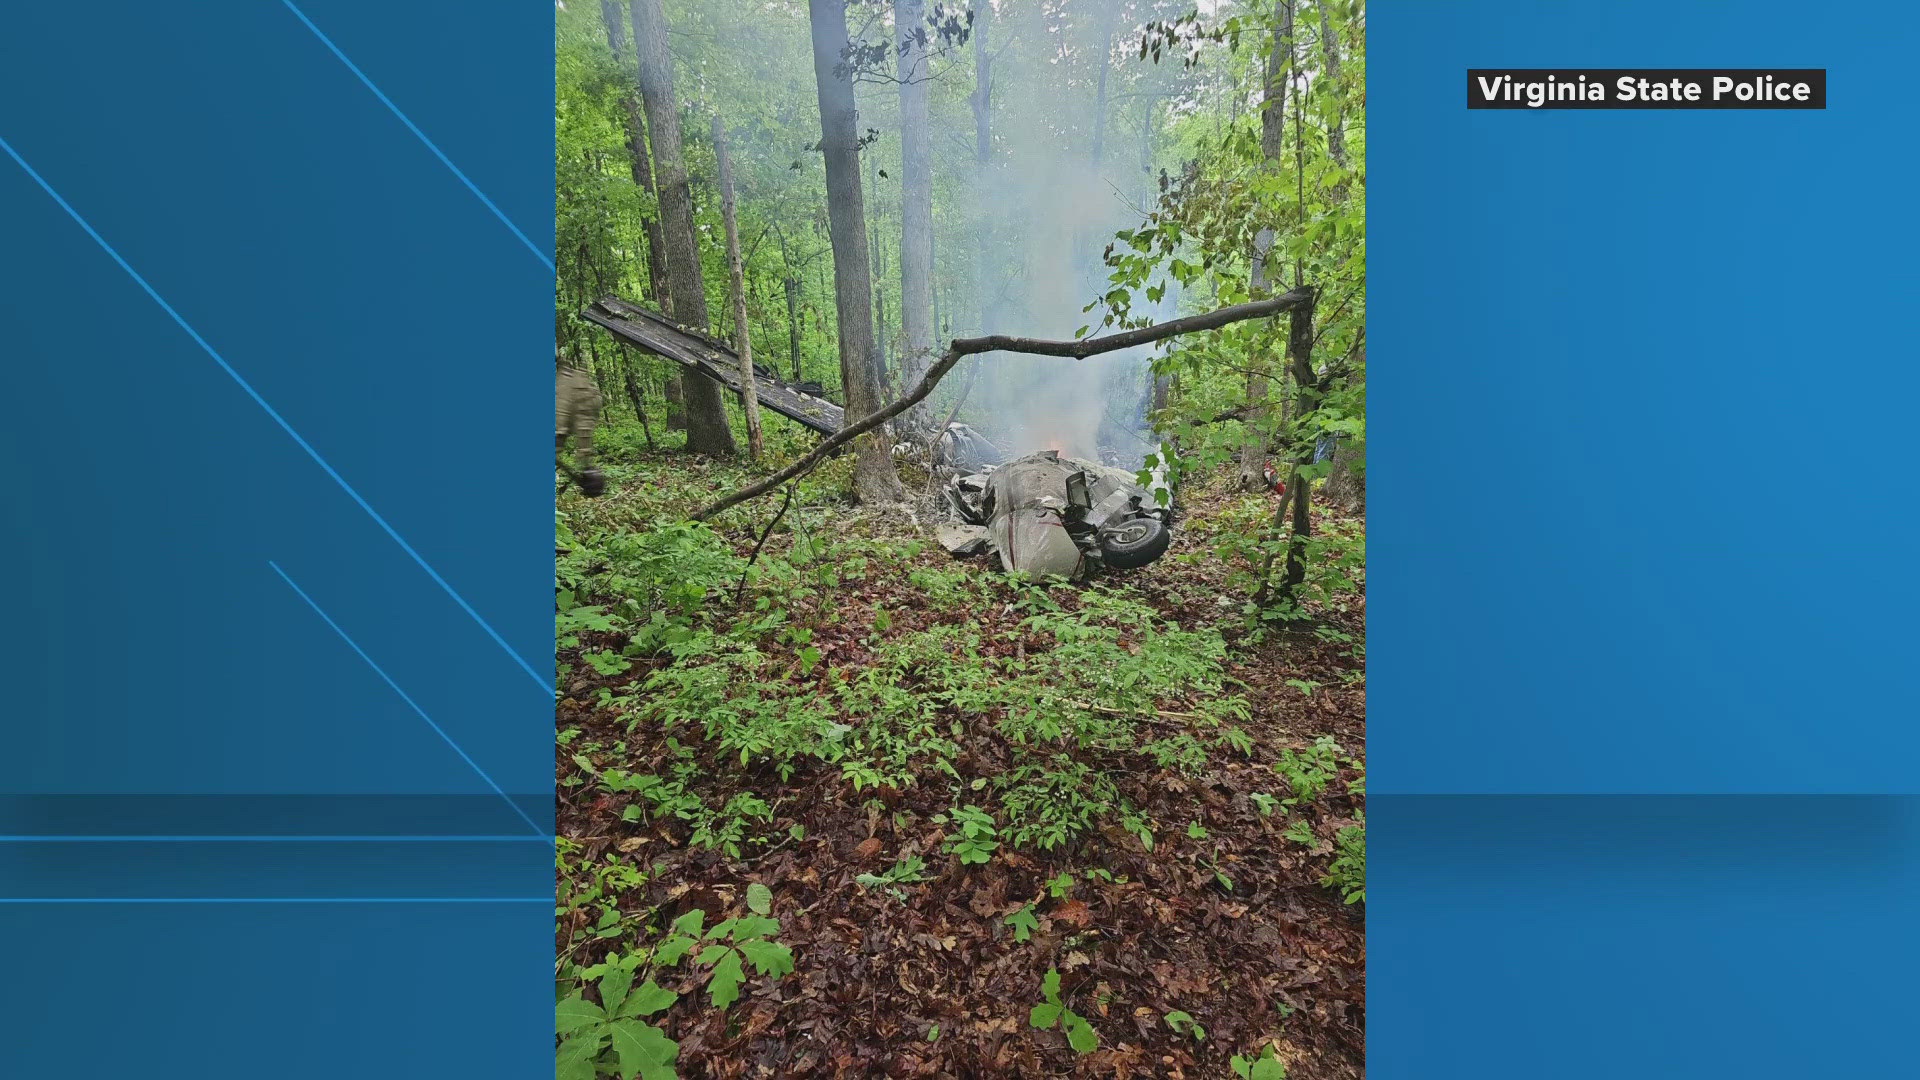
(292, 227)
(372, 301)
(1663, 936)
(1640, 394)
(305, 992)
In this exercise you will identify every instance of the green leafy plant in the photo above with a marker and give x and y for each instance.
(1348, 873)
(587, 1030)
(1265, 1067)
(1060, 885)
(1308, 772)
(975, 842)
(1182, 1023)
(903, 872)
(734, 944)
(1023, 923)
(1053, 1011)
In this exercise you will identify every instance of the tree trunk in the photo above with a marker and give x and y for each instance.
(736, 278)
(614, 18)
(1336, 131)
(874, 478)
(1300, 361)
(1346, 485)
(638, 399)
(1100, 93)
(916, 203)
(707, 430)
(793, 324)
(1253, 448)
(982, 102)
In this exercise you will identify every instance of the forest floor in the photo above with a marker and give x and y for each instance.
(953, 784)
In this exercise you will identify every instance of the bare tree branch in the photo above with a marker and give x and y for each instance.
(960, 348)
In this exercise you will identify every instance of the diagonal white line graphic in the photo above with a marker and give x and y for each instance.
(543, 682)
(418, 134)
(404, 696)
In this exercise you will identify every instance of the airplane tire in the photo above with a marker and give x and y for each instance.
(1134, 542)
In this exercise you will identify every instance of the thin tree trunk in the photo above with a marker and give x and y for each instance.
(793, 324)
(874, 478)
(736, 275)
(1336, 131)
(1300, 363)
(981, 101)
(707, 430)
(1346, 484)
(638, 399)
(1100, 93)
(916, 202)
(1253, 447)
(1305, 397)
(614, 18)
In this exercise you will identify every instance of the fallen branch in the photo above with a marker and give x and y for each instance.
(741, 591)
(960, 348)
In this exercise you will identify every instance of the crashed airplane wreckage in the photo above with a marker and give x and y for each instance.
(654, 332)
(1130, 528)
(1054, 516)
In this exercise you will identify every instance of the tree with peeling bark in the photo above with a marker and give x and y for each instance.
(707, 428)
(874, 478)
(736, 278)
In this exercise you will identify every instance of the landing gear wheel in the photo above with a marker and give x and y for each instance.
(1134, 542)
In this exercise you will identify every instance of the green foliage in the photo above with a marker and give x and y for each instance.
(904, 872)
(1181, 1022)
(1023, 923)
(587, 1030)
(732, 945)
(1308, 772)
(1348, 874)
(974, 841)
(1265, 1067)
(1053, 1011)
(1060, 885)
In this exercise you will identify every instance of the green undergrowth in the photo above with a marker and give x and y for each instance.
(863, 653)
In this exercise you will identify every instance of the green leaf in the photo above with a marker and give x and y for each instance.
(648, 999)
(574, 1060)
(1268, 1068)
(673, 949)
(575, 1014)
(724, 990)
(759, 899)
(1050, 986)
(644, 1050)
(712, 953)
(754, 926)
(1080, 1034)
(1023, 923)
(690, 923)
(1043, 1016)
(613, 989)
(769, 957)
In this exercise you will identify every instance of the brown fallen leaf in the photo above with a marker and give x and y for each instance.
(1075, 912)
